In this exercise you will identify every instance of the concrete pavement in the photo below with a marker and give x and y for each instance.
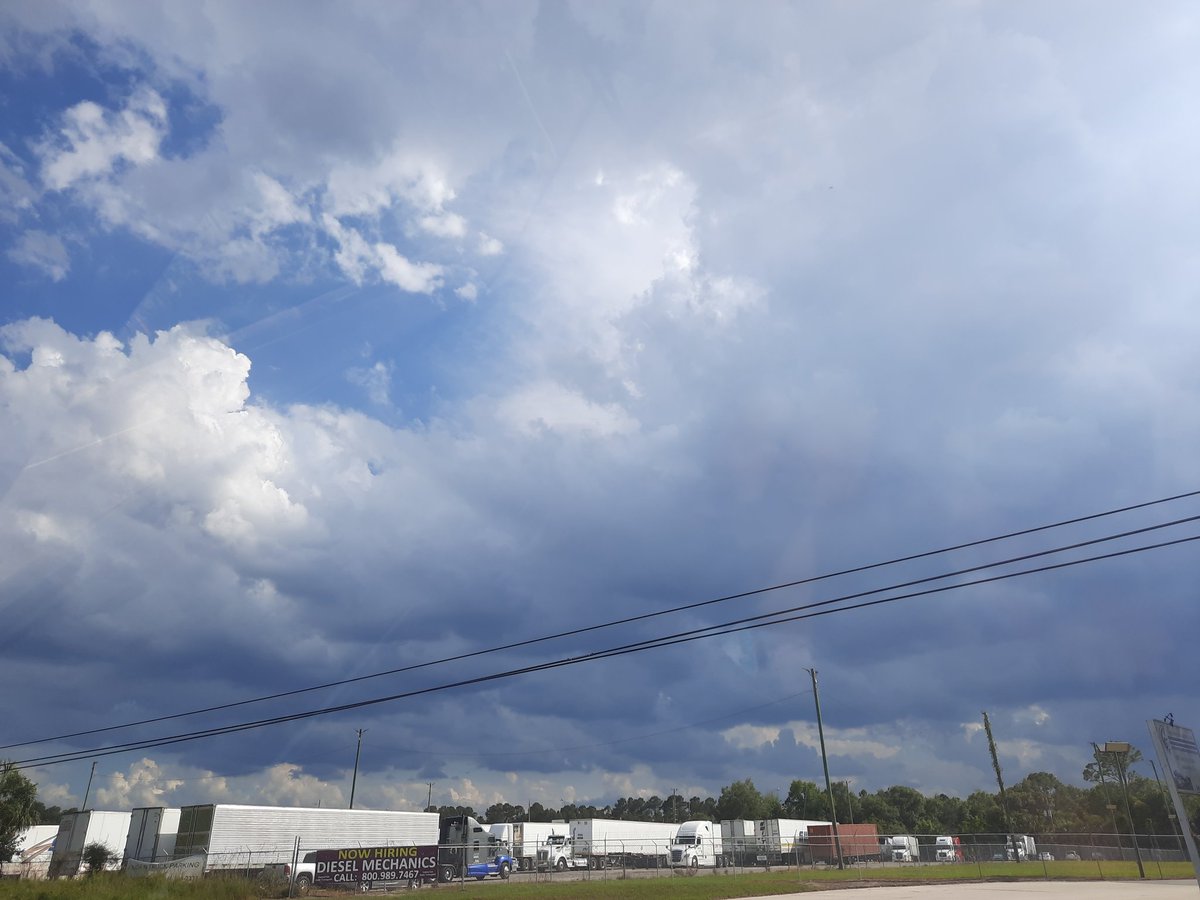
(1022, 890)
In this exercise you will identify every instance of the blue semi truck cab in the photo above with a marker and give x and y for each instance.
(467, 849)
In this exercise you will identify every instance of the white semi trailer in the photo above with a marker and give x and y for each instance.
(600, 843)
(233, 836)
(616, 842)
(151, 835)
(77, 830)
(697, 844)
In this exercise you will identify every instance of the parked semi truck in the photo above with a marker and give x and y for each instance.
(527, 837)
(599, 843)
(948, 848)
(467, 849)
(77, 830)
(859, 843)
(901, 848)
(697, 844)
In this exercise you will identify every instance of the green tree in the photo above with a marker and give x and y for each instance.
(742, 800)
(805, 800)
(18, 810)
(1104, 766)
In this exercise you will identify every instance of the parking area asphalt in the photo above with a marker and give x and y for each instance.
(1024, 890)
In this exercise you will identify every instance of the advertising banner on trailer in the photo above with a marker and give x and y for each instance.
(364, 866)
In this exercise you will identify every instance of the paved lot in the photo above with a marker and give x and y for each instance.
(1027, 890)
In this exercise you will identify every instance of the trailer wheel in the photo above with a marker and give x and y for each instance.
(561, 865)
(505, 870)
(446, 873)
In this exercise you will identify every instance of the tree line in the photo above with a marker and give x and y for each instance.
(1040, 803)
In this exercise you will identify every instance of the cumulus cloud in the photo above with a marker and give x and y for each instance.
(360, 259)
(866, 292)
(91, 141)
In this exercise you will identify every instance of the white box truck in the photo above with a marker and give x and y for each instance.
(901, 848)
(233, 836)
(151, 835)
(697, 844)
(77, 830)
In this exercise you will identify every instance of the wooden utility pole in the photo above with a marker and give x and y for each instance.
(354, 780)
(837, 840)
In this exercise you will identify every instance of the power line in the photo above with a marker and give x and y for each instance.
(807, 611)
(596, 744)
(613, 623)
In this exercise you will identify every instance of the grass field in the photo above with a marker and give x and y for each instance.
(701, 887)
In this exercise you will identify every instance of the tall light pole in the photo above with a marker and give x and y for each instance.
(1120, 750)
(837, 840)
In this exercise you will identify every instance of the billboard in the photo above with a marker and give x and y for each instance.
(1179, 754)
(364, 866)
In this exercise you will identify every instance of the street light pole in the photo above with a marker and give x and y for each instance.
(1120, 750)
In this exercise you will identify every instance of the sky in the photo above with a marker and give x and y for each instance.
(341, 338)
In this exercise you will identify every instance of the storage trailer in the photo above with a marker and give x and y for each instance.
(77, 830)
(781, 838)
(233, 836)
(151, 835)
(859, 843)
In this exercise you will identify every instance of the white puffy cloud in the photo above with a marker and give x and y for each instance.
(361, 259)
(91, 141)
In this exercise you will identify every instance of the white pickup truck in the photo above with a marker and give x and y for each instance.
(301, 878)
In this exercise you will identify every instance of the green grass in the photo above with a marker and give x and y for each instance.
(115, 886)
(610, 884)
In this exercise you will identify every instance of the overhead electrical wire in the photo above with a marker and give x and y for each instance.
(615, 622)
(807, 611)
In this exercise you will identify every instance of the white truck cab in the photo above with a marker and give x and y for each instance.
(697, 844)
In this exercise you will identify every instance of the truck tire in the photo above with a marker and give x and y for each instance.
(694, 866)
(561, 865)
(593, 863)
(445, 873)
(505, 870)
(303, 883)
